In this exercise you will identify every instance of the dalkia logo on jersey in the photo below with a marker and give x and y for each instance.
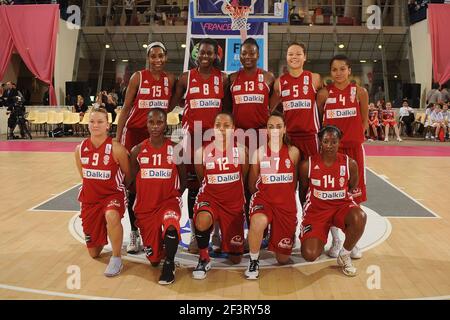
(145, 104)
(156, 173)
(223, 178)
(285, 243)
(277, 178)
(329, 195)
(341, 113)
(96, 174)
(249, 98)
(205, 103)
(297, 104)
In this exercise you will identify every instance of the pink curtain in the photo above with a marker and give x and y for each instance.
(7, 47)
(438, 19)
(33, 29)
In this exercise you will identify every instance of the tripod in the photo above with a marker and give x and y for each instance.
(18, 119)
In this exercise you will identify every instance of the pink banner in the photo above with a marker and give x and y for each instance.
(33, 30)
(438, 19)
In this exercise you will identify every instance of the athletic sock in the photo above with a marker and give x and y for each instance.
(344, 252)
(171, 244)
(254, 256)
(202, 238)
(204, 255)
(335, 233)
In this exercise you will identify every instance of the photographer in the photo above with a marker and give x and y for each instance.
(16, 113)
(10, 94)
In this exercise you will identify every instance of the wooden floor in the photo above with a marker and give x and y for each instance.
(36, 248)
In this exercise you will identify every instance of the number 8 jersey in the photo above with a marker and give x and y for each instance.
(328, 186)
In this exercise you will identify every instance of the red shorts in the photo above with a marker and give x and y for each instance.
(152, 226)
(283, 225)
(133, 136)
(93, 219)
(308, 145)
(389, 122)
(316, 224)
(375, 122)
(358, 154)
(231, 223)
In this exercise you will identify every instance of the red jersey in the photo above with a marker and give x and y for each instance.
(222, 179)
(157, 179)
(250, 95)
(152, 93)
(342, 110)
(276, 182)
(388, 115)
(298, 96)
(102, 176)
(373, 115)
(203, 99)
(328, 186)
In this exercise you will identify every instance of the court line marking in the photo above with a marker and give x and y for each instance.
(55, 293)
(49, 199)
(187, 262)
(407, 195)
(431, 298)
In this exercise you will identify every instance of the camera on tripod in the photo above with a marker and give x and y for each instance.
(17, 118)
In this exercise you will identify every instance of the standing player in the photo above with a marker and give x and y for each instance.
(325, 181)
(202, 89)
(221, 197)
(103, 166)
(345, 105)
(273, 181)
(159, 184)
(250, 90)
(147, 89)
(297, 91)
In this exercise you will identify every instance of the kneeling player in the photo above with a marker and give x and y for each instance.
(325, 181)
(159, 185)
(103, 166)
(221, 198)
(273, 180)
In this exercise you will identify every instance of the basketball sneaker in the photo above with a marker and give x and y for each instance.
(135, 242)
(201, 269)
(252, 272)
(356, 253)
(336, 246)
(114, 267)
(345, 261)
(167, 273)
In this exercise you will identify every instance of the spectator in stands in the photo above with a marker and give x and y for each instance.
(129, 8)
(111, 105)
(434, 95)
(379, 95)
(407, 117)
(9, 94)
(101, 100)
(437, 121)
(445, 115)
(389, 121)
(427, 122)
(80, 107)
(372, 131)
(445, 94)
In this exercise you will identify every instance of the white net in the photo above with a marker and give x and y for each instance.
(239, 16)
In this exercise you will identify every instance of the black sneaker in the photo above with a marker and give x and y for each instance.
(200, 270)
(168, 273)
(252, 272)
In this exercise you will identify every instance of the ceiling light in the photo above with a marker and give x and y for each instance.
(183, 45)
(341, 46)
(375, 61)
(395, 76)
(362, 61)
(380, 46)
(113, 60)
(124, 60)
(145, 46)
(107, 46)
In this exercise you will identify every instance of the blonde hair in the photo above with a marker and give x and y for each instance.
(100, 110)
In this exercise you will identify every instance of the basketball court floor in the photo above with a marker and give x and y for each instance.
(406, 243)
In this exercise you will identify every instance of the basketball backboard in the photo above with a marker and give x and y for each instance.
(274, 11)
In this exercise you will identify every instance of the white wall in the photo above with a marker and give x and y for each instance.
(66, 48)
(421, 48)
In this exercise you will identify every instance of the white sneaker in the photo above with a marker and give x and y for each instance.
(193, 247)
(370, 140)
(346, 263)
(114, 267)
(356, 253)
(386, 140)
(335, 248)
(399, 139)
(252, 272)
(201, 269)
(135, 242)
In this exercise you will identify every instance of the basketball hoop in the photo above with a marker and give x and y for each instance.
(239, 16)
